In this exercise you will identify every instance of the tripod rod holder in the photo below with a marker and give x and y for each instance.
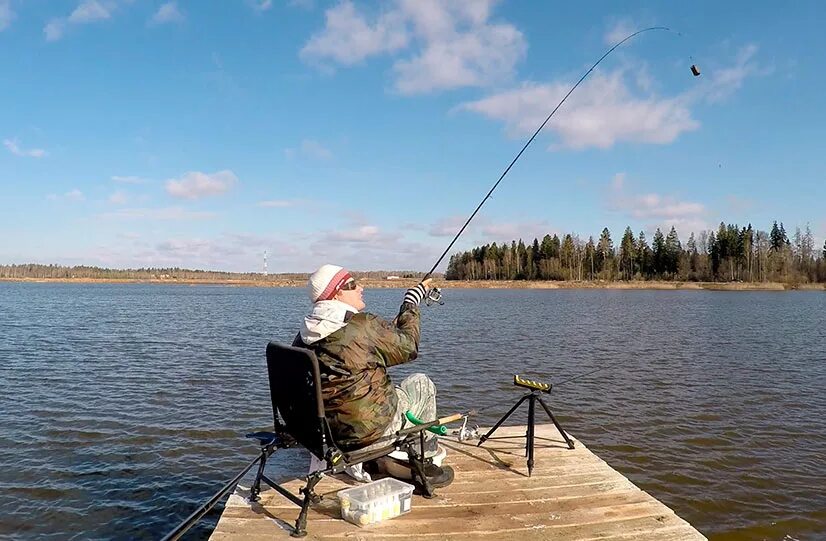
(531, 384)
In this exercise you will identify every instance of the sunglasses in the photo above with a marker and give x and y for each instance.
(349, 285)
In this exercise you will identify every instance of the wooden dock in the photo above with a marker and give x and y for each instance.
(572, 495)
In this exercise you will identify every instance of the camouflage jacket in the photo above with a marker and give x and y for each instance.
(359, 398)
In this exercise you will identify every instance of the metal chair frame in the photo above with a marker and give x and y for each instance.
(315, 434)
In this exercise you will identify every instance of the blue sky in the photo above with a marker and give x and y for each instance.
(145, 133)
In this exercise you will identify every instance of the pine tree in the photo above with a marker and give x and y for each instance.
(776, 238)
(644, 256)
(566, 254)
(713, 254)
(627, 253)
(658, 246)
(605, 253)
(672, 251)
(590, 256)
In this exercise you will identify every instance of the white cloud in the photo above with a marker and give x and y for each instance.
(606, 109)
(6, 14)
(479, 58)
(14, 147)
(602, 113)
(447, 44)
(168, 13)
(508, 231)
(618, 182)
(165, 213)
(657, 210)
(87, 11)
(303, 4)
(194, 184)
(621, 30)
(118, 198)
(74, 196)
(129, 180)
(261, 5)
(279, 203)
(54, 29)
(348, 38)
(447, 227)
(361, 234)
(724, 82)
(309, 148)
(90, 11)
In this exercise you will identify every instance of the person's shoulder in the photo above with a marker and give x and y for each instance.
(362, 317)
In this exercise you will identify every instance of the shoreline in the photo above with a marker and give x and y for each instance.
(454, 284)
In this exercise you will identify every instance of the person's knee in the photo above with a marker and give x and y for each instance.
(423, 383)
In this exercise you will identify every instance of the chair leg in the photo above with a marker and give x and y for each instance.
(255, 490)
(300, 529)
(417, 466)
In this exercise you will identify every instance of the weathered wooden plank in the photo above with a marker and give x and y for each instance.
(572, 494)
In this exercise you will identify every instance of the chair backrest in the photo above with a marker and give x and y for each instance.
(295, 390)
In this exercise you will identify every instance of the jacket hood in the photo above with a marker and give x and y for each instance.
(326, 318)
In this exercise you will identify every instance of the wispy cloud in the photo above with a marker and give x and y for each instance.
(656, 210)
(6, 14)
(130, 180)
(168, 13)
(164, 213)
(619, 31)
(14, 147)
(261, 5)
(195, 185)
(725, 81)
(118, 198)
(54, 29)
(602, 113)
(607, 110)
(90, 11)
(450, 225)
(310, 148)
(508, 231)
(73, 196)
(87, 11)
(280, 203)
(444, 45)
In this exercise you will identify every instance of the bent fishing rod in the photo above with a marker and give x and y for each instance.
(694, 70)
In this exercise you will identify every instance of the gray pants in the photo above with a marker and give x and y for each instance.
(416, 394)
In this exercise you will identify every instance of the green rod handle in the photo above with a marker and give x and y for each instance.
(440, 430)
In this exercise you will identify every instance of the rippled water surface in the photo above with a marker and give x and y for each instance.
(123, 407)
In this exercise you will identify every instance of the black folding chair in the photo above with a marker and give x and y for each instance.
(298, 413)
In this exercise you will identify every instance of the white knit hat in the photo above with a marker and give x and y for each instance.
(326, 282)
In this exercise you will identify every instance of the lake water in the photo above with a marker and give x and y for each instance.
(123, 407)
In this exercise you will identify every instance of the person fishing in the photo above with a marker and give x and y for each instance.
(354, 351)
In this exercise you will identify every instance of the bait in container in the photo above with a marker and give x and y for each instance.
(376, 501)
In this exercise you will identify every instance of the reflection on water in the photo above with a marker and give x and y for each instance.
(123, 407)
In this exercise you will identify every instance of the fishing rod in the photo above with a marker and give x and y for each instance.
(694, 70)
(589, 373)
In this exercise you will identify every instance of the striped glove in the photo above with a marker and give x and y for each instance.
(414, 295)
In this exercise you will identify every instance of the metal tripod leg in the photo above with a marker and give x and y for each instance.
(530, 434)
(556, 423)
(502, 420)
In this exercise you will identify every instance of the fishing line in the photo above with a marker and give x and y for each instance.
(508, 168)
(555, 385)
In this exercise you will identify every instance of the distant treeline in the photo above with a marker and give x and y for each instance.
(732, 253)
(37, 271)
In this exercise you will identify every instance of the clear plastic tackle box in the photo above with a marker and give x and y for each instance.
(376, 501)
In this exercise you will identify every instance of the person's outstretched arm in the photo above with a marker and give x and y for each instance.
(398, 342)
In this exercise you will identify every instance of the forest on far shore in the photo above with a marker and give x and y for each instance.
(730, 254)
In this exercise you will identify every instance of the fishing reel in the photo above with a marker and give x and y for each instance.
(466, 433)
(434, 296)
